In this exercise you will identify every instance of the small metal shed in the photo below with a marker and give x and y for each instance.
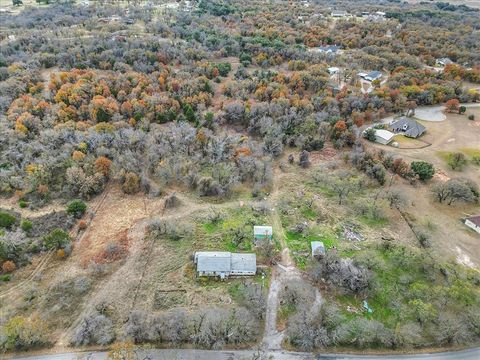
(318, 249)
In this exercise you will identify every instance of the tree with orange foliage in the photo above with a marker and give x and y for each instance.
(452, 105)
(102, 165)
(8, 266)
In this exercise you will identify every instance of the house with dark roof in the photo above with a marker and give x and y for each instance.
(408, 127)
(225, 264)
(473, 222)
(443, 61)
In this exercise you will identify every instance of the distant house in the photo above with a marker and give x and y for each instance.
(333, 70)
(318, 249)
(338, 13)
(473, 222)
(408, 127)
(371, 76)
(262, 232)
(329, 49)
(225, 264)
(443, 61)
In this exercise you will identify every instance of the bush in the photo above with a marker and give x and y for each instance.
(94, 329)
(457, 161)
(131, 185)
(476, 160)
(102, 165)
(57, 239)
(471, 117)
(8, 266)
(370, 134)
(76, 208)
(423, 169)
(26, 225)
(7, 220)
(20, 333)
(23, 204)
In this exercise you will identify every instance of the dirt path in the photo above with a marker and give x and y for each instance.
(284, 272)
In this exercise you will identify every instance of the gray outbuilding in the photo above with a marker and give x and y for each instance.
(225, 264)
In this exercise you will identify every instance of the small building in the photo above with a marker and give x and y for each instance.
(339, 13)
(333, 70)
(443, 61)
(408, 127)
(318, 249)
(372, 76)
(329, 49)
(473, 222)
(262, 232)
(225, 264)
(383, 136)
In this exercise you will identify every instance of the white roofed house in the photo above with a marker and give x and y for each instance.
(225, 264)
(339, 13)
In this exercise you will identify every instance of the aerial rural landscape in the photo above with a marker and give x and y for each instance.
(220, 179)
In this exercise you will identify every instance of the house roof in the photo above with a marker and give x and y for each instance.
(413, 128)
(384, 134)
(218, 261)
(213, 261)
(474, 219)
(243, 262)
(374, 75)
(445, 61)
(262, 230)
(329, 48)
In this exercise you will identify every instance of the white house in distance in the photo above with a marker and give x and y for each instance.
(338, 13)
(327, 49)
(473, 222)
(225, 264)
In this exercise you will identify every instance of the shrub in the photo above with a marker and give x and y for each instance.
(5, 277)
(7, 220)
(370, 134)
(61, 253)
(131, 185)
(82, 225)
(423, 169)
(76, 208)
(102, 165)
(26, 225)
(457, 161)
(23, 204)
(20, 333)
(57, 239)
(471, 117)
(94, 329)
(476, 159)
(8, 266)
